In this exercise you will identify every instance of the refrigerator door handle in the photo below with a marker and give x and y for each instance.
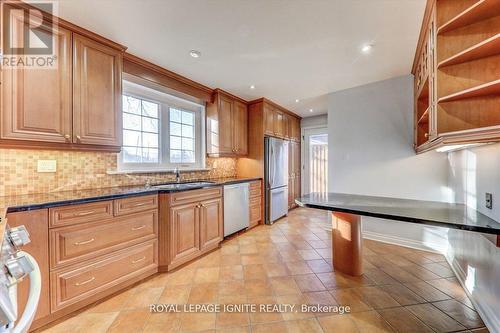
(271, 167)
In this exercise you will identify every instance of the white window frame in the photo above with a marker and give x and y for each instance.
(166, 101)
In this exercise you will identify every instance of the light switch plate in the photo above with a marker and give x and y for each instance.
(489, 201)
(46, 166)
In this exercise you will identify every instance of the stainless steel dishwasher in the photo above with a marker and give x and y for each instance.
(236, 208)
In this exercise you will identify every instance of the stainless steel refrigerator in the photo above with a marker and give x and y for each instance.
(276, 178)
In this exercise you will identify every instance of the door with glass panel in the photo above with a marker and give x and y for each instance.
(315, 160)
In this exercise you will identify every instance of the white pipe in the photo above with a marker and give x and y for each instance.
(24, 323)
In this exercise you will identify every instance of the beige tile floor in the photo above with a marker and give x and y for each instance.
(403, 290)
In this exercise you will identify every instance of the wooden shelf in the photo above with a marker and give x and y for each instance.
(424, 118)
(481, 10)
(490, 88)
(486, 48)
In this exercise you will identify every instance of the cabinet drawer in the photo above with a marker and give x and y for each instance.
(135, 204)
(75, 284)
(80, 242)
(256, 192)
(255, 213)
(255, 201)
(185, 197)
(255, 185)
(73, 214)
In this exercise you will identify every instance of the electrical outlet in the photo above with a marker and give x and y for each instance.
(46, 166)
(489, 200)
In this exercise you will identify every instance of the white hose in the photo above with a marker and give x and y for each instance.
(24, 323)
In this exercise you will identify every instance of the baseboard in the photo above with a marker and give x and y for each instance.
(411, 243)
(488, 315)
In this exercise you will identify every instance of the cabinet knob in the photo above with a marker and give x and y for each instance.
(67, 137)
(78, 137)
(426, 135)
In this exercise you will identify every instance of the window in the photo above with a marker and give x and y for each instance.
(140, 130)
(160, 131)
(182, 136)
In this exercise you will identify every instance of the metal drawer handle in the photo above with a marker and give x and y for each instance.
(140, 204)
(138, 260)
(85, 282)
(85, 242)
(86, 213)
(139, 228)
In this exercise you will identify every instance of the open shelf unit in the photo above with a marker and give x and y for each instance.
(484, 49)
(481, 10)
(487, 89)
(463, 61)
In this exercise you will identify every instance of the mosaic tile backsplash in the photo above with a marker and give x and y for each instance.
(84, 170)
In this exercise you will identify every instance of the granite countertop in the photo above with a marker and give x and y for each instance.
(457, 216)
(45, 200)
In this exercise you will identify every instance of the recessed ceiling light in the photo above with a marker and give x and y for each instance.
(297, 100)
(311, 110)
(195, 54)
(366, 48)
(252, 87)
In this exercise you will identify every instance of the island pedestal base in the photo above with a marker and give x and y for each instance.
(347, 243)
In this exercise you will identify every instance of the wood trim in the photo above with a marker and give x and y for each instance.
(23, 144)
(268, 101)
(228, 94)
(146, 70)
(67, 25)
(421, 38)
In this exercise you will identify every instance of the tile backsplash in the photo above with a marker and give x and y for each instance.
(83, 170)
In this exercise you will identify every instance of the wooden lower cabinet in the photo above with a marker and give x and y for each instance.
(86, 252)
(191, 224)
(255, 203)
(77, 284)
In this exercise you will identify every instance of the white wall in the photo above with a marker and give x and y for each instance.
(314, 121)
(371, 152)
(475, 257)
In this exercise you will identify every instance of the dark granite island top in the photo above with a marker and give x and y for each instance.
(347, 210)
(441, 214)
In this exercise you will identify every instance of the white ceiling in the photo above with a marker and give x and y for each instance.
(288, 49)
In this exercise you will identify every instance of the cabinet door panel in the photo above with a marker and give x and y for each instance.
(96, 93)
(240, 128)
(185, 239)
(225, 125)
(36, 103)
(268, 120)
(211, 227)
(279, 124)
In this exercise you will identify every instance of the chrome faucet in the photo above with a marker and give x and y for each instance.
(177, 175)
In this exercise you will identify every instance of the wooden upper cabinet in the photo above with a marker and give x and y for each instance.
(268, 120)
(36, 103)
(295, 126)
(96, 93)
(240, 128)
(76, 105)
(279, 124)
(227, 126)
